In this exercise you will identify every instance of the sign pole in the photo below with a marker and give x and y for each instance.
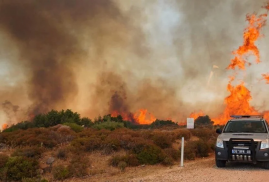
(182, 152)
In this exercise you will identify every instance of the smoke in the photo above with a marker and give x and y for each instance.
(10, 110)
(100, 56)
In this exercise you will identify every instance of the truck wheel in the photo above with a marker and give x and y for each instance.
(220, 163)
(266, 165)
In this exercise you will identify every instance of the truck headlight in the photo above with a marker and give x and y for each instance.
(265, 144)
(219, 143)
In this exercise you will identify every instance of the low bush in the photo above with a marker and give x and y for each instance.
(78, 166)
(131, 160)
(202, 148)
(189, 150)
(60, 172)
(173, 153)
(31, 152)
(21, 167)
(150, 155)
(62, 153)
(167, 161)
(109, 125)
(75, 127)
(163, 140)
(179, 133)
(115, 160)
(122, 165)
(204, 133)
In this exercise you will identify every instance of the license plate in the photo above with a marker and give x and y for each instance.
(240, 151)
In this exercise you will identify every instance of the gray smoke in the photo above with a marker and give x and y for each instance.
(98, 56)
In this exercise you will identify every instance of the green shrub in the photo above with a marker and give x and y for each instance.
(109, 125)
(21, 167)
(150, 155)
(75, 127)
(60, 172)
(78, 166)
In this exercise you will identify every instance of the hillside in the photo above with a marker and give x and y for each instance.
(59, 152)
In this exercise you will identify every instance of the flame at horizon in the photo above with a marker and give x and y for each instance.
(4, 126)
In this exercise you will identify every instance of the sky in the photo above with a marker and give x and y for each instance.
(95, 57)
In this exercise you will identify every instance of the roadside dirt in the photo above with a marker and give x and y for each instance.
(194, 171)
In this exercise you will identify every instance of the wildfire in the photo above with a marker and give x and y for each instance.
(238, 101)
(140, 117)
(195, 115)
(4, 126)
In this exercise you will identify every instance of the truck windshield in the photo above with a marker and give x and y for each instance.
(245, 126)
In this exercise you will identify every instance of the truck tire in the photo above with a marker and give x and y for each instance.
(266, 165)
(220, 163)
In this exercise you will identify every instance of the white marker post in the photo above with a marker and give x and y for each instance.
(182, 152)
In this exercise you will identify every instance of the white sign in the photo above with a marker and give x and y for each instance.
(190, 123)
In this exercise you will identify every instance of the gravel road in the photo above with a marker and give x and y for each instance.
(200, 170)
(205, 170)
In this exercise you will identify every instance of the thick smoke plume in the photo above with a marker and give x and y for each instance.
(101, 56)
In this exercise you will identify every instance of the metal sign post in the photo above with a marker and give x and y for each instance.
(182, 152)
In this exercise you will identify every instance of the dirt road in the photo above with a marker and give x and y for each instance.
(194, 171)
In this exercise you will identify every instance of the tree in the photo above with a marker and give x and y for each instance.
(204, 121)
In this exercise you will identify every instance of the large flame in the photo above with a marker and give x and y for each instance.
(143, 117)
(251, 35)
(238, 100)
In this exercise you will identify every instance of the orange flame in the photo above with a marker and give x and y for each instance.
(266, 77)
(143, 117)
(140, 117)
(195, 115)
(4, 126)
(251, 34)
(238, 101)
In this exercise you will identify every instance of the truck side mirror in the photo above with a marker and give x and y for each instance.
(218, 131)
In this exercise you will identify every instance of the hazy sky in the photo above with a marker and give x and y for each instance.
(151, 54)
